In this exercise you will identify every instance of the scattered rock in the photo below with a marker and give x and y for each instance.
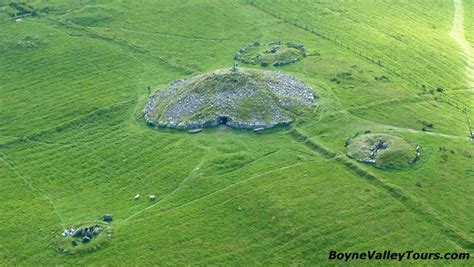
(274, 53)
(195, 130)
(68, 231)
(382, 150)
(79, 232)
(259, 130)
(86, 239)
(107, 218)
(371, 161)
(96, 231)
(89, 233)
(86, 233)
(380, 145)
(347, 141)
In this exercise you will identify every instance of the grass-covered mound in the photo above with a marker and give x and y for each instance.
(239, 98)
(382, 150)
(71, 153)
(93, 16)
(275, 53)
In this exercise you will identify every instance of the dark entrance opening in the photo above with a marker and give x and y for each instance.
(223, 120)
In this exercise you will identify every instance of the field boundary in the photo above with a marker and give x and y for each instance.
(465, 110)
(311, 144)
(190, 175)
(120, 43)
(65, 125)
(206, 195)
(336, 41)
(396, 192)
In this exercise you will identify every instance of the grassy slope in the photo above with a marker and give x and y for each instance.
(97, 75)
(396, 44)
(469, 20)
(273, 177)
(96, 163)
(467, 96)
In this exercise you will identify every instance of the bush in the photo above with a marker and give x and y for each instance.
(427, 126)
(382, 78)
(336, 80)
(345, 74)
(21, 9)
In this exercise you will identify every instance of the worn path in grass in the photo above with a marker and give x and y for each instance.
(190, 176)
(431, 216)
(457, 33)
(28, 182)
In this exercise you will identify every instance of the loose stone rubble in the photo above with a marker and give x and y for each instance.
(380, 145)
(382, 150)
(244, 98)
(84, 235)
(274, 53)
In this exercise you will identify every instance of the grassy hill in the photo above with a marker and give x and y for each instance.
(74, 145)
(469, 28)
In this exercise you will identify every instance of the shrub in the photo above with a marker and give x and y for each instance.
(382, 78)
(345, 74)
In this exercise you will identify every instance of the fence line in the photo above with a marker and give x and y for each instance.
(408, 77)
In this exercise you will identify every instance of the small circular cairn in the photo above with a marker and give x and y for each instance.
(276, 53)
(83, 238)
(382, 150)
(238, 98)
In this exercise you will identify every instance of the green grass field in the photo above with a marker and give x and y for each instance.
(74, 145)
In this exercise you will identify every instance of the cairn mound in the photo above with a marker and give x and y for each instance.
(82, 238)
(382, 150)
(238, 98)
(275, 53)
